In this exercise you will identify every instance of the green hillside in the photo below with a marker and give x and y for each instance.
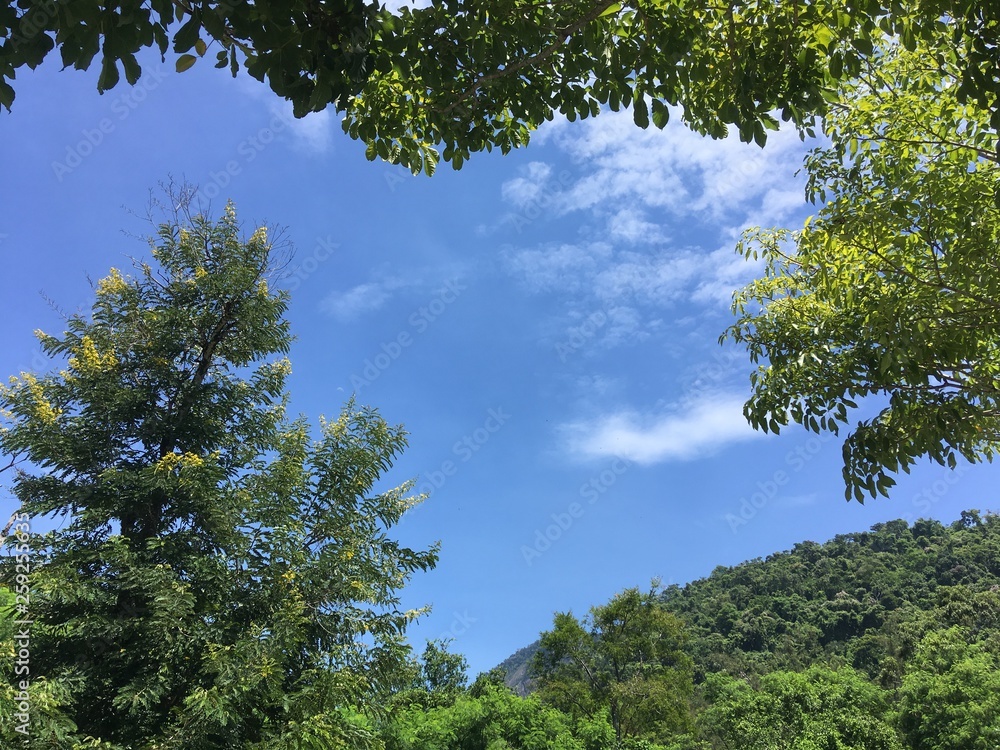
(861, 599)
(896, 629)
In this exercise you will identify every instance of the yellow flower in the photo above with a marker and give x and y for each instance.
(178, 461)
(43, 410)
(89, 361)
(114, 283)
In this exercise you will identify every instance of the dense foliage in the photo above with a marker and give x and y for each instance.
(892, 290)
(468, 76)
(861, 599)
(471, 76)
(220, 575)
(626, 659)
(881, 640)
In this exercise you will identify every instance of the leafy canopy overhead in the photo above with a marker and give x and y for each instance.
(465, 76)
(221, 575)
(893, 289)
(312, 53)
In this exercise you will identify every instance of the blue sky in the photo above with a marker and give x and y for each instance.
(545, 324)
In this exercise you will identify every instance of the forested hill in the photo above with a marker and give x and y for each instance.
(863, 599)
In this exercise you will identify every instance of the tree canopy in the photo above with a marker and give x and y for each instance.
(817, 708)
(306, 51)
(464, 76)
(625, 659)
(950, 696)
(892, 289)
(221, 575)
(878, 640)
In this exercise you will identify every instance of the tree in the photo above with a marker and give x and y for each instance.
(950, 697)
(819, 708)
(625, 658)
(467, 76)
(307, 51)
(491, 719)
(221, 575)
(436, 678)
(442, 670)
(892, 290)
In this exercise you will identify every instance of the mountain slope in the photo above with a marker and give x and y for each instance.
(863, 599)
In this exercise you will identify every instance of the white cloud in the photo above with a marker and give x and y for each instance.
(395, 5)
(312, 134)
(700, 430)
(648, 278)
(641, 190)
(677, 170)
(522, 191)
(631, 287)
(726, 271)
(361, 299)
(630, 225)
(557, 267)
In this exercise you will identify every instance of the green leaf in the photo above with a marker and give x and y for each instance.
(640, 113)
(132, 69)
(109, 74)
(661, 114)
(430, 161)
(824, 36)
(187, 35)
(184, 62)
(836, 65)
(6, 94)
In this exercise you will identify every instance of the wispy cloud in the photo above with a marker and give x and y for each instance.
(358, 300)
(395, 5)
(630, 225)
(634, 287)
(521, 191)
(699, 430)
(677, 170)
(312, 134)
(560, 267)
(664, 211)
